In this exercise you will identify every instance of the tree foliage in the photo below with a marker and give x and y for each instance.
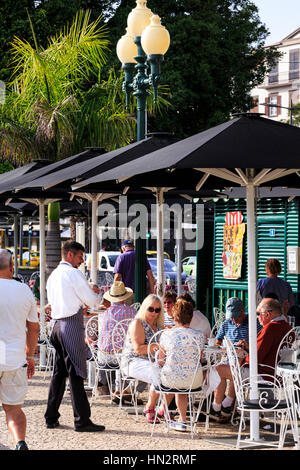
(48, 18)
(216, 57)
(52, 109)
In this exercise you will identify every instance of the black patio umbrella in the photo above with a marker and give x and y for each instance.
(248, 151)
(13, 179)
(23, 175)
(64, 177)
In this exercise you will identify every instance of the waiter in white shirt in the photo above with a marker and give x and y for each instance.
(68, 291)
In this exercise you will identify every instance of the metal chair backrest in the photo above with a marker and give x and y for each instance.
(287, 346)
(136, 306)
(109, 278)
(235, 369)
(185, 358)
(119, 333)
(91, 335)
(219, 317)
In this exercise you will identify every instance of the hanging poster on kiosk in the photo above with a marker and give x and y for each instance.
(234, 230)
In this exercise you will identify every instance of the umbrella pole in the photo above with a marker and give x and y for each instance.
(252, 268)
(178, 256)
(16, 244)
(160, 251)
(42, 284)
(94, 242)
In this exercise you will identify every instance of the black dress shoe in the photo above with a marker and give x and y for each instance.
(52, 425)
(21, 446)
(90, 427)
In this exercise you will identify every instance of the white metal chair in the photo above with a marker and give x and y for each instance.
(136, 306)
(288, 347)
(268, 399)
(119, 337)
(109, 279)
(219, 317)
(191, 374)
(50, 350)
(191, 283)
(103, 361)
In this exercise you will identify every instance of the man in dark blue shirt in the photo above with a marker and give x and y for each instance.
(124, 268)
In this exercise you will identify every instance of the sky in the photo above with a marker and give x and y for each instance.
(281, 17)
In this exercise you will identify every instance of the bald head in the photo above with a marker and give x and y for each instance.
(268, 309)
(6, 264)
(270, 305)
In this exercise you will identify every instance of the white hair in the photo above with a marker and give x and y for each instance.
(5, 259)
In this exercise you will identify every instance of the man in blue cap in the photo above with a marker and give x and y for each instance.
(236, 326)
(125, 267)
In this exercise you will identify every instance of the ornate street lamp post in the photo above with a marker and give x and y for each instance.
(146, 40)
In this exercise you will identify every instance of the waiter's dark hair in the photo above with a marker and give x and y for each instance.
(72, 246)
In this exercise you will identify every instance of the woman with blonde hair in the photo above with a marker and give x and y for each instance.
(135, 362)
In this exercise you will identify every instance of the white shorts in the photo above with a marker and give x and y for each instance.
(13, 386)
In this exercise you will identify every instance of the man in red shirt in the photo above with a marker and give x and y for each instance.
(274, 329)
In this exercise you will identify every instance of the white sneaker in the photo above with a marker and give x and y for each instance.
(178, 426)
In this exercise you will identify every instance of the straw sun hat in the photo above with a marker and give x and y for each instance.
(118, 292)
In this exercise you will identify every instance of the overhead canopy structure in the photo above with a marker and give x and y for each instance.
(22, 177)
(63, 178)
(247, 141)
(104, 162)
(248, 151)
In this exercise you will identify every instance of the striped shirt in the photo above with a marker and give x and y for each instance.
(106, 327)
(168, 320)
(235, 332)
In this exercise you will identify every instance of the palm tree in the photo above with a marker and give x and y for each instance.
(52, 111)
(57, 104)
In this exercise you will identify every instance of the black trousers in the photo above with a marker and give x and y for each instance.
(63, 369)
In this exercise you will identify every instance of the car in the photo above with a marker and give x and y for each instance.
(34, 258)
(105, 260)
(153, 254)
(170, 271)
(188, 264)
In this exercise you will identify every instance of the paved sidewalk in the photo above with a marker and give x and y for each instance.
(122, 431)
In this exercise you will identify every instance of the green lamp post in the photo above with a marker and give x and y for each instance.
(146, 40)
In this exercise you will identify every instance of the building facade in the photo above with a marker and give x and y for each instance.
(281, 87)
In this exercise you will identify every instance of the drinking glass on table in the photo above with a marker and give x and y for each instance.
(291, 321)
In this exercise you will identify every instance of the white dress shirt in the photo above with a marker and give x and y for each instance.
(201, 323)
(68, 290)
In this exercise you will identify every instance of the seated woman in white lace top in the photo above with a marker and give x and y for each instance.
(181, 367)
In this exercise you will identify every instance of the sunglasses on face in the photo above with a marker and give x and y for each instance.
(152, 309)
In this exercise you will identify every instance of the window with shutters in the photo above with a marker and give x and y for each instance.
(294, 65)
(273, 74)
(273, 110)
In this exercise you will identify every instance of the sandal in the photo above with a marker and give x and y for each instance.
(150, 419)
(161, 415)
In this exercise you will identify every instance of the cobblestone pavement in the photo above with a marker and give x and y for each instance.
(122, 431)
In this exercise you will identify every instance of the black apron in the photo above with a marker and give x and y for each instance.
(72, 336)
